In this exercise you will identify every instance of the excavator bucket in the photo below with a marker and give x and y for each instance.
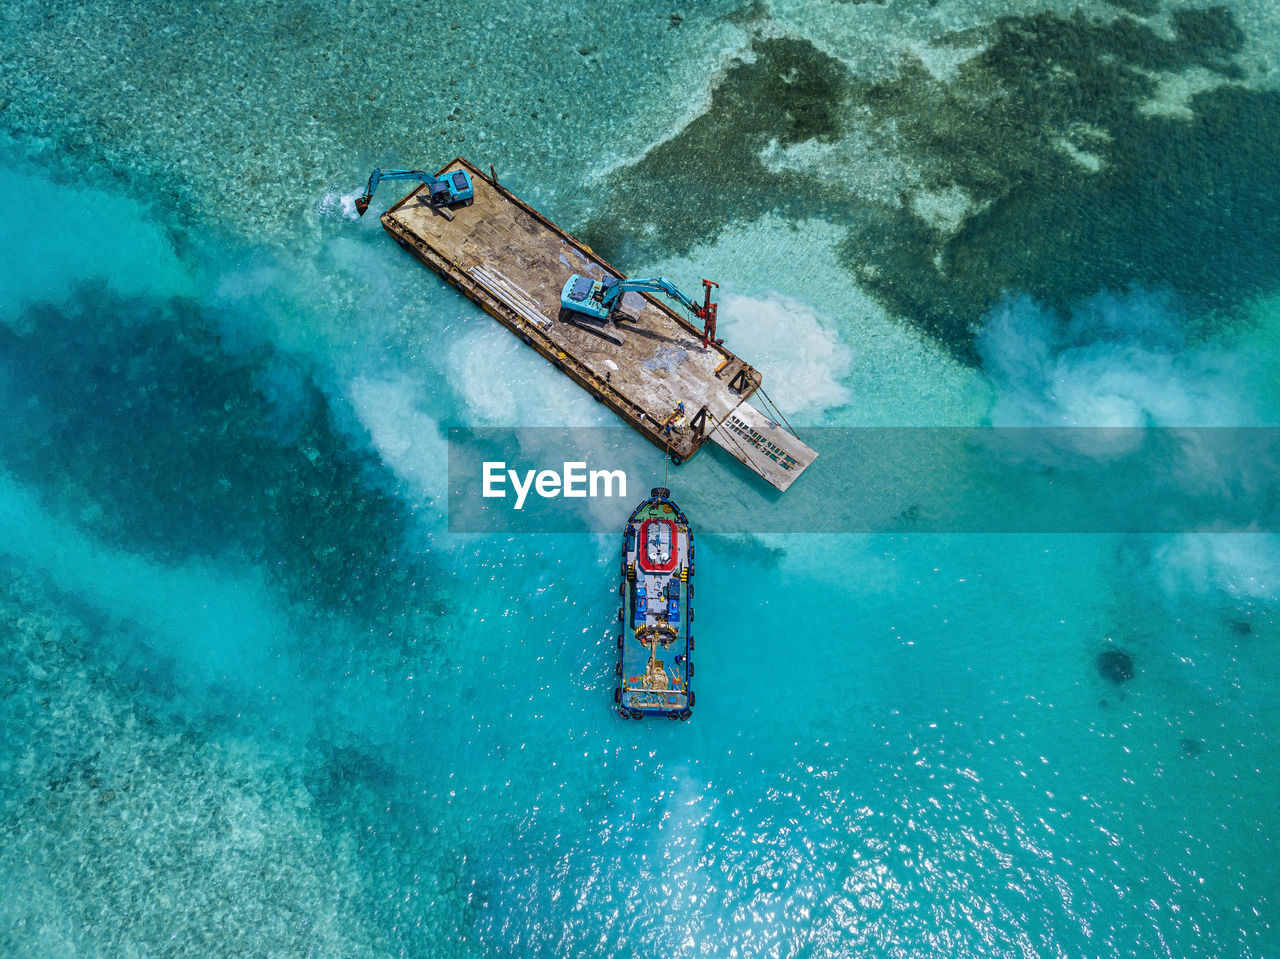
(362, 204)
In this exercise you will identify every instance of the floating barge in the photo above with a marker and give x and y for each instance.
(655, 641)
(653, 370)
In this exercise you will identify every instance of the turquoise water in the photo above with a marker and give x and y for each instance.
(258, 701)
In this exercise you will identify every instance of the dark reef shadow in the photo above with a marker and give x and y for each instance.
(137, 420)
(1074, 184)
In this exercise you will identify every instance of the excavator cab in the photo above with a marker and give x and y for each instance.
(461, 189)
(453, 188)
(580, 288)
(582, 294)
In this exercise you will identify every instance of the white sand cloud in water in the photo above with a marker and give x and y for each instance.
(791, 344)
(1118, 360)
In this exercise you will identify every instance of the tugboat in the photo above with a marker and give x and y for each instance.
(655, 641)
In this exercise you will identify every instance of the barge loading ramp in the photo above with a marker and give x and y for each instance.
(651, 368)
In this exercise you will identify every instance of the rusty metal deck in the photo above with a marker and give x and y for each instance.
(513, 262)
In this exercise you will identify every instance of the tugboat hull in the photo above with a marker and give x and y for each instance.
(655, 639)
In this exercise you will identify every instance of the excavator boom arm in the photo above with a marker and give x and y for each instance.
(601, 298)
(454, 192)
(652, 284)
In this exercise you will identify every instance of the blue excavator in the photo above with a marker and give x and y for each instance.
(600, 299)
(446, 191)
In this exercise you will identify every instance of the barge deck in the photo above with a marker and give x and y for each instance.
(651, 368)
